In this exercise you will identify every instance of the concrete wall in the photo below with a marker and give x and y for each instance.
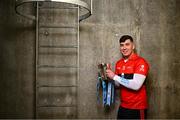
(17, 38)
(155, 26)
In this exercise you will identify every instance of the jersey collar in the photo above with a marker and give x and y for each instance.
(134, 56)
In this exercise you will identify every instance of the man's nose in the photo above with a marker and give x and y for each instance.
(123, 47)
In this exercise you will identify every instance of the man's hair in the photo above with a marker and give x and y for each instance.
(125, 37)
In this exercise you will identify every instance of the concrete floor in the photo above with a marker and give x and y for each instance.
(155, 26)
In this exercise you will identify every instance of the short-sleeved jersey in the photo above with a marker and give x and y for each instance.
(130, 98)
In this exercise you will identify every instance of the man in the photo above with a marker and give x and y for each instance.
(130, 73)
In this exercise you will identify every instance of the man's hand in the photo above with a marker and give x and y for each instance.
(110, 73)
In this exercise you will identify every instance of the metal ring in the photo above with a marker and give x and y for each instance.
(75, 2)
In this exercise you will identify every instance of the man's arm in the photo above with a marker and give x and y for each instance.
(134, 84)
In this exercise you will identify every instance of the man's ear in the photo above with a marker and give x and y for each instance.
(133, 46)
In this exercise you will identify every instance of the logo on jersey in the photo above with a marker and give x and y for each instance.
(142, 68)
(129, 67)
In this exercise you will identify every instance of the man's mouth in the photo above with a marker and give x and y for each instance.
(124, 52)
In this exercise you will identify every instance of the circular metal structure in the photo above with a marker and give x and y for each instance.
(80, 3)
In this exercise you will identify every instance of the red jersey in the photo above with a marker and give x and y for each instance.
(130, 98)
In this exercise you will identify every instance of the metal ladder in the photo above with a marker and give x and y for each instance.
(57, 95)
(57, 57)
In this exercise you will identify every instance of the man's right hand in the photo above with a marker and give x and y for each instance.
(110, 73)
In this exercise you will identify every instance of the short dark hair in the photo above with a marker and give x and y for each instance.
(125, 37)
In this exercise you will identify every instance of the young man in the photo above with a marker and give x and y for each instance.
(130, 73)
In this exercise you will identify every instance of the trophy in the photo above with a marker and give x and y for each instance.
(106, 85)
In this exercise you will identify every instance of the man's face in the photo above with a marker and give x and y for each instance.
(127, 48)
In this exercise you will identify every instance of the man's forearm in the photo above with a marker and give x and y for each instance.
(134, 84)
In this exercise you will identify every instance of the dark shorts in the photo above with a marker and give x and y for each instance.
(124, 113)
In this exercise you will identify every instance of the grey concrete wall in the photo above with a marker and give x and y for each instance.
(161, 29)
(155, 26)
(17, 38)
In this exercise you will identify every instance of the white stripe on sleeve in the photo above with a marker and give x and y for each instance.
(134, 84)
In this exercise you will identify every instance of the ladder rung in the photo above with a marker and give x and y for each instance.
(70, 54)
(53, 66)
(57, 106)
(55, 26)
(60, 46)
(56, 86)
(48, 33)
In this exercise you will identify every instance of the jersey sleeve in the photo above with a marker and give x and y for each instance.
(142, 67)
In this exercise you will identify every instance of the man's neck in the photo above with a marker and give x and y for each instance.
(127, 57)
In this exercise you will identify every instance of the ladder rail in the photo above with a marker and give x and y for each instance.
(78, 63)
(36, 55)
